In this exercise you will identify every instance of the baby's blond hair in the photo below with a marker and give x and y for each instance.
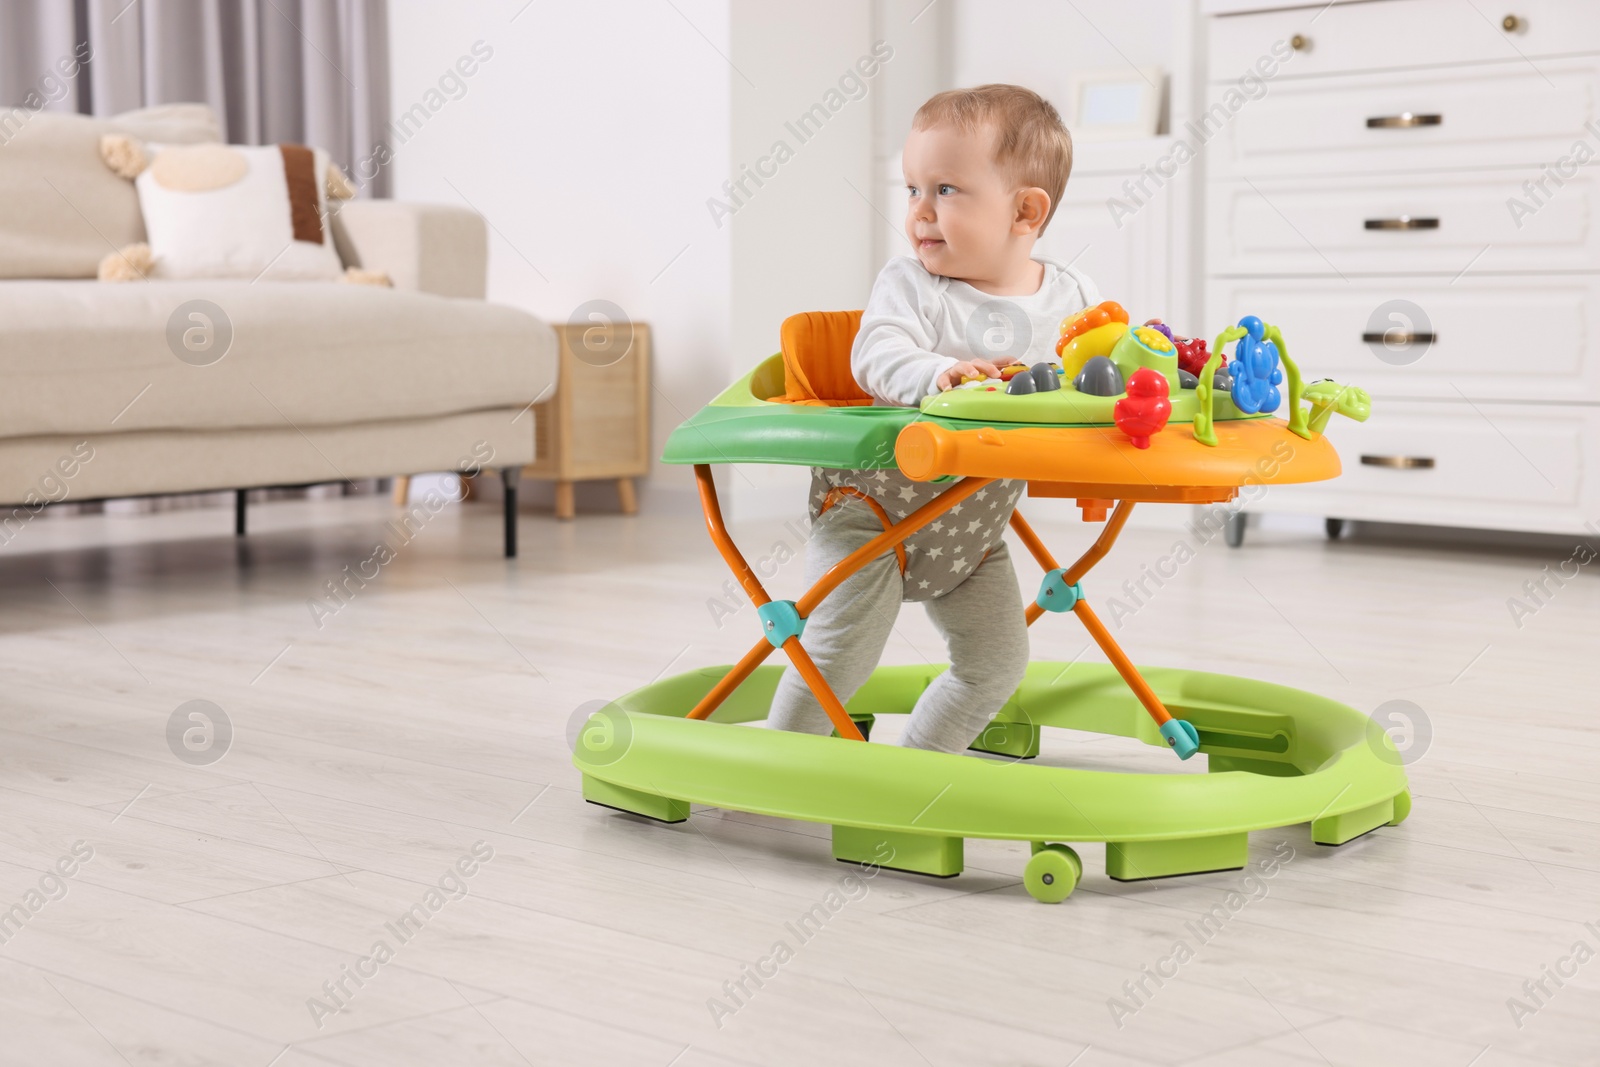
(1032, 143)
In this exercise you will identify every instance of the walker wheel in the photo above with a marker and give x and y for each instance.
(1052, 874)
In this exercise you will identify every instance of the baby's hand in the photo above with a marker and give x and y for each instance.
(970, 368)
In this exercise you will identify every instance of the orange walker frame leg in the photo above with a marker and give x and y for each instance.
(1080, 607)
(785, 620)
(783, 626)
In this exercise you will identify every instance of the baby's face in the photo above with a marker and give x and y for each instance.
(962, 208)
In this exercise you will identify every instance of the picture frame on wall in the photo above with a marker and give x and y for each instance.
(1117, 105)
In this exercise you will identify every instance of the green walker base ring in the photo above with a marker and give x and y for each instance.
(1276, 757)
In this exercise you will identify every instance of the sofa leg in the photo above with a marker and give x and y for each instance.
(402, 489)
(240, 499)
(508, 478)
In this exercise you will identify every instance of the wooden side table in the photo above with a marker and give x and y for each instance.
(597, 424)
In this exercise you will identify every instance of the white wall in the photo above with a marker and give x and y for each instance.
(590, 139)
(801, 240)
(923, 65)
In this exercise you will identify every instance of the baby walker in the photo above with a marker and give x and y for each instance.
(1130, 414)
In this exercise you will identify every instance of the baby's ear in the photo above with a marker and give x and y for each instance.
(1033, 207)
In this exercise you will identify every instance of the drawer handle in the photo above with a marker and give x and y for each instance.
(1300, 42)
(1511, 24)
(1404, 121)
(1401, 463)
(1399, 337)
(1404, 222)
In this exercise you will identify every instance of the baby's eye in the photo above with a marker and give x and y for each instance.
(947, 190)
(911, 191)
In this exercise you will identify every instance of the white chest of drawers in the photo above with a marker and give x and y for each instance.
(1414, 197)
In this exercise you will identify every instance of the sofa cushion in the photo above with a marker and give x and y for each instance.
(64, 208)
(85, 357)
(231, 211)
(171, 124)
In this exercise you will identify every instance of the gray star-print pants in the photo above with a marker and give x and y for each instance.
(979, 613)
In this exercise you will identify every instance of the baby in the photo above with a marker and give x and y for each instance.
(985, 169)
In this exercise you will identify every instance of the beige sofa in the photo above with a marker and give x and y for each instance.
(118, 389)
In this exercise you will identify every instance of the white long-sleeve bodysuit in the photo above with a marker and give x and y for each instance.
(916, 326)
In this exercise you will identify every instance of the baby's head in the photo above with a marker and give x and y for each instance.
(985, 169)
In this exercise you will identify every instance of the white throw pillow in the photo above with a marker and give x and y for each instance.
(235, 211)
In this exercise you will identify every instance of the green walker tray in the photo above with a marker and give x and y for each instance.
(742, 425)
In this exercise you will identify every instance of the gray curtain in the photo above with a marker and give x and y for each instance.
(305, 71)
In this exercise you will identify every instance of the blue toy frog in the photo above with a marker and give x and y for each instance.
(1255, 370)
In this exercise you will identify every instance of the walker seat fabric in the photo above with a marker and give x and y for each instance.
(816, 360)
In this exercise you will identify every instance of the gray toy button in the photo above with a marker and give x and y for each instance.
(1099, 377)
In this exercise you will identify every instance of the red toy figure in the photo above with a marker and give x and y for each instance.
(1192, 354)
(1145, 410)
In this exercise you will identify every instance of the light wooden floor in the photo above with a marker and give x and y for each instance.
(430, 713)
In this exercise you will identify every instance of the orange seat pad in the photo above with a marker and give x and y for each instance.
(816, 360)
